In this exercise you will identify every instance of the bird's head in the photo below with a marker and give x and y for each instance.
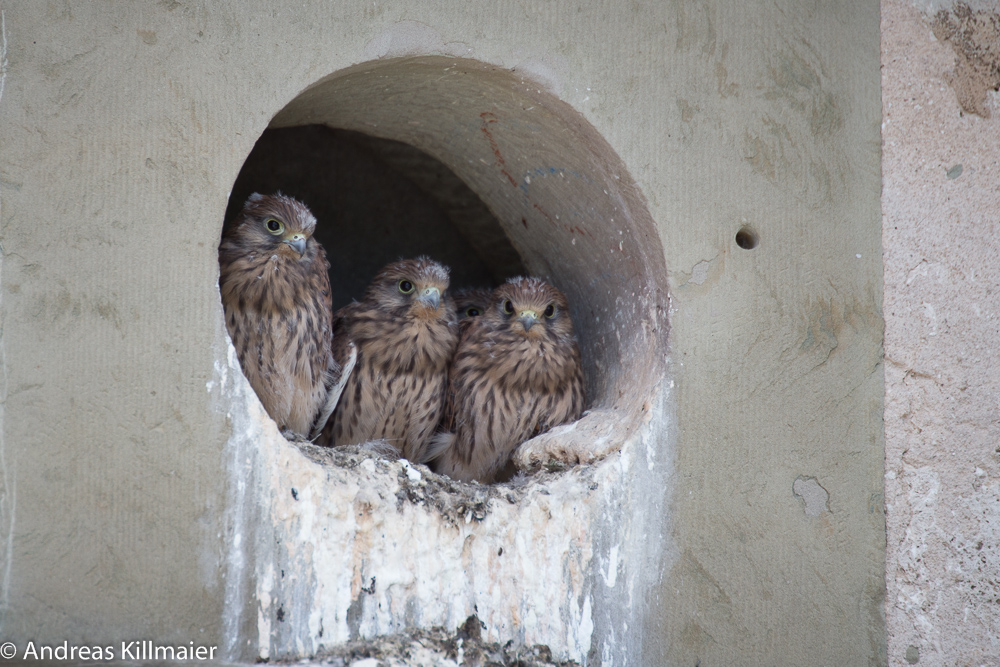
(472, 302)
(416, 287)
(275, 224)
(533, 308)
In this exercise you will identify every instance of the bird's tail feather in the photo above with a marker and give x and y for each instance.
(333, 396)
(381, 447)
(440, 443)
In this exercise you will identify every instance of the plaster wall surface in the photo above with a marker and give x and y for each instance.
(942, 312)
(133, 453)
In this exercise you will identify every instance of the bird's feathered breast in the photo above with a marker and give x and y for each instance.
(259, 276)
(542, 361)
(541, 365)
(276, 295)
(397, 342)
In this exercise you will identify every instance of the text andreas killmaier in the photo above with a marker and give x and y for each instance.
(134, 650)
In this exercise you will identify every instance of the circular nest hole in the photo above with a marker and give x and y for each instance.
(747, 238)
(479, 169)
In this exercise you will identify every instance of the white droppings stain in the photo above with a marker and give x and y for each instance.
(232, 396)
(264, 588)
(612, 574)
(348, 533)
(586, 626)
(412, 473)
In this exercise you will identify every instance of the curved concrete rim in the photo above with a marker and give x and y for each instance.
(560, 192)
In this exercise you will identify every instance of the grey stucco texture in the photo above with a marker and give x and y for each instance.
(941, 158)
(729, 508)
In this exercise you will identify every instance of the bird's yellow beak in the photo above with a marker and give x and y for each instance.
(527, 318)
(297, 241)
(430, 296)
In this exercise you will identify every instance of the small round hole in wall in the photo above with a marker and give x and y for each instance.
(747, 238)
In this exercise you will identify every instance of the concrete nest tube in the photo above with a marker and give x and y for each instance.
(485, 171)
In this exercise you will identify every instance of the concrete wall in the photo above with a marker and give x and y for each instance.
(144, 492)
(778, 497)
(941, 160)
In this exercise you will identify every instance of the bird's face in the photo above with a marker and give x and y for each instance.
(414, 287)
(472, 302)
(532, 308)
(277, 224)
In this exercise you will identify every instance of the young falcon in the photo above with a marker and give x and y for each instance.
(406, 333)
(276, 297)
(470, 303)
(516, 374)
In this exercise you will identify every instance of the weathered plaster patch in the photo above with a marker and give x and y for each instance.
(974, 35)
(546, 71)
(704, 272)
(408, 38)
(815, 498)
(699, 273)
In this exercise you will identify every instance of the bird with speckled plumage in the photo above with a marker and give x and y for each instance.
(516, 374)
(470, 303)
(276, 297)
(406, 332)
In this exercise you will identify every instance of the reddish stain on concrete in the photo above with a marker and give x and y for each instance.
(489, 117)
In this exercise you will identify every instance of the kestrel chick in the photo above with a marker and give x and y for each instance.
(276, 297)
(516, 374)
(406, 334)
(470, 303)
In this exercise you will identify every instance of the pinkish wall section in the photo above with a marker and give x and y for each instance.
(941, 207)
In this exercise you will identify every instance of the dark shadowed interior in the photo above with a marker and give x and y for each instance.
(376, 201)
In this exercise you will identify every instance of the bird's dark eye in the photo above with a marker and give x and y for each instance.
(274, 226)
(550, 310)
(472, 311)
(405, 286)
(508, 307)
